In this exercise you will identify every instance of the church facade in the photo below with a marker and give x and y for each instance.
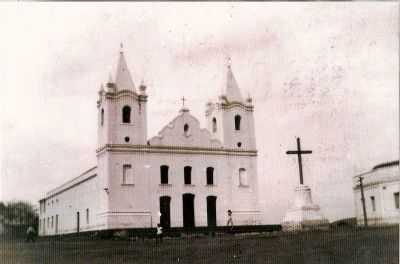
(186, 176)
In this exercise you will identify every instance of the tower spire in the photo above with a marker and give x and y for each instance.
(123, 79)
(101, 90)
(232, 90)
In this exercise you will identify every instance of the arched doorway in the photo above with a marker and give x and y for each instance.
(165, 210)
(188, 210)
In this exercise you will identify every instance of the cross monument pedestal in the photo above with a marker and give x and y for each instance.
(303, 214)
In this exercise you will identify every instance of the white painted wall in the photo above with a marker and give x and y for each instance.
(114, 130)
(226, 132)
(382, 184)
(143, 196)
(85, 194)
(173, 133)
(137, 205)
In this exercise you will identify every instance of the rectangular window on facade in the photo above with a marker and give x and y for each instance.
(396, 200)
(87, 215)
(164, 174)
(52, 222)
(127, 174)
(373, 203)
(210, 176)
(187, 174)
(243, 181)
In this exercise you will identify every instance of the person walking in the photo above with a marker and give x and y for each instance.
(230, 221)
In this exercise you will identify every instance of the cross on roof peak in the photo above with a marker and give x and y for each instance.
(183, 101)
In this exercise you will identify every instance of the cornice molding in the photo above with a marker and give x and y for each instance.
(377, 182)
(228, 105)
(173, 150)
(121, 93)
(70, 184)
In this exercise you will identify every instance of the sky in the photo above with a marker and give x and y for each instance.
(325, 72)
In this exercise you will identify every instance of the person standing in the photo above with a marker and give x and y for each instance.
(30, 234)
(159, 233)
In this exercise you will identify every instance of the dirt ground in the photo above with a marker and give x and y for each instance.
(373, 245)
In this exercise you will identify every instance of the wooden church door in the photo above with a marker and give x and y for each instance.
(165, 210)
(188, 210)
(211, 211)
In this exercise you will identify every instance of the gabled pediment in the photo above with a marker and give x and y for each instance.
(184, 130)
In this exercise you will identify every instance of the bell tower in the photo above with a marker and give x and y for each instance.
(231, 119)
(122, 110)
(122, 125)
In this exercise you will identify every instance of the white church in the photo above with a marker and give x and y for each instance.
(186, 176)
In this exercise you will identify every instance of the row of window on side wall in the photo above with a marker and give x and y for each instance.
(396, 201)
(42, 207)
(50, 221)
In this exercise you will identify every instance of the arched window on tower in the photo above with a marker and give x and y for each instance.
(237, 122)
(243, 181)
(126, 114)
(214, 125)
(102, 117)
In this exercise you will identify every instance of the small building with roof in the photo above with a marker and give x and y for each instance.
(186, 176)
(381, 186)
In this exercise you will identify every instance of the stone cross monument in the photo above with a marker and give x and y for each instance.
(303, 214)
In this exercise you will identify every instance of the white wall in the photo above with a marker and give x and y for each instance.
(114, 130)
(173, 134)
(226, 126)
(382, 184)
(142, 198)
(67, 203)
